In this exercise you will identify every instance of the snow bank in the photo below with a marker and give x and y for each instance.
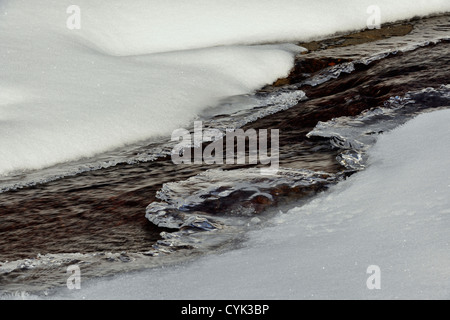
(87, 103)
(121, 27)
(67, 94)
(394, 215)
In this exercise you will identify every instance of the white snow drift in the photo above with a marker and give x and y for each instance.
(394, 215)
(139, 69)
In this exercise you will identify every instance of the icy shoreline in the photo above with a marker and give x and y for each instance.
(104, 86)
(111, 199)
(394, 215)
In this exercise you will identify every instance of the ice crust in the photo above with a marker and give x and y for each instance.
(395, 215)
(138, 70)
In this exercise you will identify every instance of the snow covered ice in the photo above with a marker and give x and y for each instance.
(394, 215)
(141, 69)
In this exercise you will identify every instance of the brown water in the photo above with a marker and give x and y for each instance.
(103, 211)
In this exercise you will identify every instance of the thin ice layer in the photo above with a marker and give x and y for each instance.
(394, 215)
(355, 135)
(227, 195)
(69, 94)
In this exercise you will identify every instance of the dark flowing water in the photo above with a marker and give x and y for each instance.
(99, 219)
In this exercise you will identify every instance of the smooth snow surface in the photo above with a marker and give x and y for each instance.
(395, 215)
(140, 69)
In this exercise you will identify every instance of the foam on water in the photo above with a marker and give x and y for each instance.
(70, 94)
